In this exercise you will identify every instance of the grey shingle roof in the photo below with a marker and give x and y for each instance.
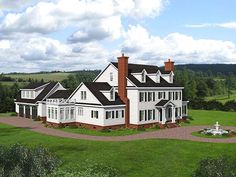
(40, 97)
(96, 87)
(61, 94)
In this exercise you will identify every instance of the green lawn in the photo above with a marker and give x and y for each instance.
(142, 158)
(120, 132)
(46, 76)
(7, 114)
(223, 98)
(203, 117)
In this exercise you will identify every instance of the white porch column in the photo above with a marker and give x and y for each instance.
(186, 109)
(24, 110)
(173, 115)
(31, 112)
(163, 115)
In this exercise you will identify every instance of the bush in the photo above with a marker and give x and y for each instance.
(216, 167)
(89, 169)
(21, 161)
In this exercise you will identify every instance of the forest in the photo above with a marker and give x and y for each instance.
(198, 85)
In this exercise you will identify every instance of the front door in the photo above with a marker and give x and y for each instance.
(168, 113)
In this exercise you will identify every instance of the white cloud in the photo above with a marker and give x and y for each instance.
(229, 25)
(182, 48)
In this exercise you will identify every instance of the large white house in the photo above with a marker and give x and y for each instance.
(122, 95)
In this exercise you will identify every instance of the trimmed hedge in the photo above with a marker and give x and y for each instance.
(213, 105)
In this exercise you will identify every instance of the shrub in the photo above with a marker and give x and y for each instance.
(216, 167)
(21, 161)
(88, 169)
(72, 126)
(141, 129)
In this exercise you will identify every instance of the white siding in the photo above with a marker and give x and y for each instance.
(16, 108)
(133, 98)
(105, 76)
(90, 98)
(42, 109)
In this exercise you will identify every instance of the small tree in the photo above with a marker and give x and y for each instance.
(21, 161)
(216, 167)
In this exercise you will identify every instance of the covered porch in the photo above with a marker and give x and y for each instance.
(167, 111)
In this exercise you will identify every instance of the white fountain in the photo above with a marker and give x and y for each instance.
(216, 130)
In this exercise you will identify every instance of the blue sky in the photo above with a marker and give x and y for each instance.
(87, 34)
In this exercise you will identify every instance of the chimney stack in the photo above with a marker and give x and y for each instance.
(122, 84)
(169, 65)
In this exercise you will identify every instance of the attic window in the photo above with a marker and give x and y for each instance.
(111, 76)
(143, 76)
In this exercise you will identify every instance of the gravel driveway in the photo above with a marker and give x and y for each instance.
(180, 133)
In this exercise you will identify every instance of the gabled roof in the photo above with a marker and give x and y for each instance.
(35, 85)
(150, 83)
(97, 87)
(138, 68)
(40, 97)
(61, 94)
(162, 103)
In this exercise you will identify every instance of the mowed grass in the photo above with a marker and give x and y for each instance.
(142, 158)
(45, 76)
(223, 98)
(205, 117)
(7, 114)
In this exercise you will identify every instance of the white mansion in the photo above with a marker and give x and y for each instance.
(122, 95)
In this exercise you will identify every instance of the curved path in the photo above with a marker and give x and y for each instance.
(180, 133)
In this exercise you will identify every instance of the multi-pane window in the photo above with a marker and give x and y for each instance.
(55, 113)
(141, 96)
(112, 94)
(149, 96)
(49, 113)
(149, 114)
(108, 114)
(143, 77)
(83, 95)
(67, 113)
(170, 95)
(80, 111)
(111, 76)
(52, 113)
(62, 113)
(141, 115)
(94, 114)
(72, 112)
(115, 114)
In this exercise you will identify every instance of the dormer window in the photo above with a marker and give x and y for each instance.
(112, 94)
(143, 76)
(171, 77)
(158, 77)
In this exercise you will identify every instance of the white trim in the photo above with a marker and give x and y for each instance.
(99, 106)
(31, 104)
(75, 91)
(154, 88)
(36, 87)
(104, 71)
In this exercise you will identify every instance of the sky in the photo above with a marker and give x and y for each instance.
(47, 35)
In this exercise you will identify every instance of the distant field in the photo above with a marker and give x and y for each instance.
(10, 83)
(45, 76)
(223, 98)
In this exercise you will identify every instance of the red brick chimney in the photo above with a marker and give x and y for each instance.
(169, 65)
(122, 84)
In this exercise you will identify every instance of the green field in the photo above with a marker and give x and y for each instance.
(10, 83)
(140, 158)
(223, 98)
(45, 76)
(204, 117)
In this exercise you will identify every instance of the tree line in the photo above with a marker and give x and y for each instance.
(198, 85)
